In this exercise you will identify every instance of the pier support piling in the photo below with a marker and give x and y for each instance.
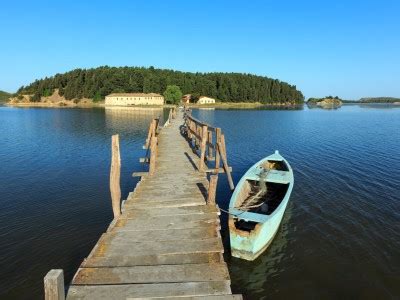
(115, 175)
(54, 285)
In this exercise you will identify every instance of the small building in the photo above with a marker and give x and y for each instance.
(186, 98)
(205, 100)
(134, 99)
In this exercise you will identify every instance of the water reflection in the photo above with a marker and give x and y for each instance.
(253, 277)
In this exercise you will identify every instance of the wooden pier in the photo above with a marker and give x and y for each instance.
(164, 241)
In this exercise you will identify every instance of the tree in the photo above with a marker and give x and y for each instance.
(173, 94)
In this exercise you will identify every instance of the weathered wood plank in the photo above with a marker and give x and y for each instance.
(195, 234)
(123, 291)
(115, 260)
(159, 248)
(163, 203)
(208, 297)
(151, 274)
(171, 211)
(165, 222)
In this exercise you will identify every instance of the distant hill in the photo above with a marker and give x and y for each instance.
(225, 87)
(379, 100)
(374, 100)
(4, 96)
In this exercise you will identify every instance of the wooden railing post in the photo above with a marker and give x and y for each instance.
(222, 153)
(209, 150)
(153, 154)
(54, 285)
(217, 156)
(203, 144)
(150, 133)
(115, 174)
(212, 189)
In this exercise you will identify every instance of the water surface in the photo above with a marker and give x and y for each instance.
(340, 237)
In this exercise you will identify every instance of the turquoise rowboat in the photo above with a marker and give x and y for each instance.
(257, 206)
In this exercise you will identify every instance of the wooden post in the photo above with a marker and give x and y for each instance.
(115, 175)
(153, 154)
(204, 135)
(223, 145)
(150, 133)
(217, 156)
(189, 127)
(226, 167)
(54, 285)
(210, 155)
(212, 189)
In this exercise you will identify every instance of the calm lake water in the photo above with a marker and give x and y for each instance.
(340, 237)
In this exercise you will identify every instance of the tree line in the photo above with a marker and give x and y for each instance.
(98, 82)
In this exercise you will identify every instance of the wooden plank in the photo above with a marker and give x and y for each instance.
(165, 222)
(195, 234)
(208, 297)
(115, 260)
(172, 211)
(140, 174)
(130, 204)
(151, 274)
(217, 170)
(124, 291)
(159, 248)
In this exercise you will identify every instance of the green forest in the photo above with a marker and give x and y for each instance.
(225, 87)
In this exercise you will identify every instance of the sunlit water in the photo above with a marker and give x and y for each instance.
(340, 236)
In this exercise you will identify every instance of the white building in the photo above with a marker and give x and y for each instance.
(205, 100)
(134, 99)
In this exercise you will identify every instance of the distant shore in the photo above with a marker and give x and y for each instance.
(71, 104)
(91, 104)
(241, 105)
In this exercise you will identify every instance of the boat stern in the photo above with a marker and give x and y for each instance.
(243, 243)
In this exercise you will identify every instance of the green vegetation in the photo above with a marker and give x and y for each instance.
(173, 94)
(374, 100)
(226, 87)
(4, 96)
(316, 100)
(379, 100)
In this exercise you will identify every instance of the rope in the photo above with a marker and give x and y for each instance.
(257, 196)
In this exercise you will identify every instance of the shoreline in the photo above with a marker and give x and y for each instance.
(218, 105)
(242, 105)
(78, 105)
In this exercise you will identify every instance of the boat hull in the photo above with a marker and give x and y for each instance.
(250, 245)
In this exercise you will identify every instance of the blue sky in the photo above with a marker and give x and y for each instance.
(345, 48)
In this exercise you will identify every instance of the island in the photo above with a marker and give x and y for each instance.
(328, 102)
(89, 87)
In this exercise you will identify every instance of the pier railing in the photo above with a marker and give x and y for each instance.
(209, 142)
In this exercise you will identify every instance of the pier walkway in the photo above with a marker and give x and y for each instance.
(166, 241)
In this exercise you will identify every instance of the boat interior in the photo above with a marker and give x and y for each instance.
(261, 196)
